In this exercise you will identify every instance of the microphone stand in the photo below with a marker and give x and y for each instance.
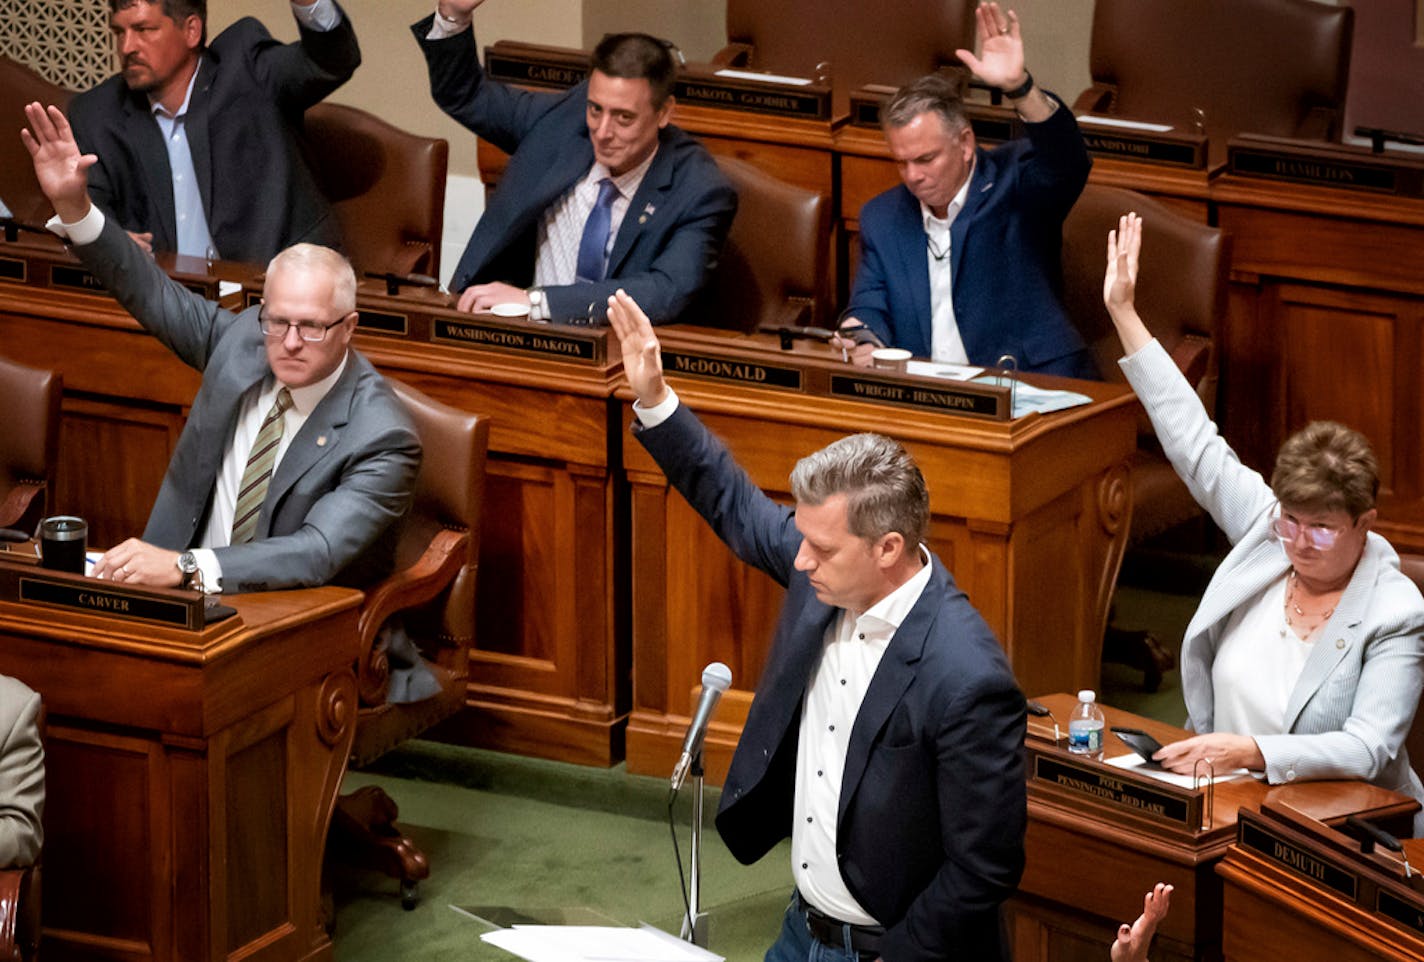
(694, 924)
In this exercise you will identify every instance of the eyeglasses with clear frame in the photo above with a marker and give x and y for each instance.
(310, 331)
(1319, 536)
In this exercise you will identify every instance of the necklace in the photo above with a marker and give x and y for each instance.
(935, 252)
(1305, 618)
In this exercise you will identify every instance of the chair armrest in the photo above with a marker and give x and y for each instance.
(1097, 99)
(1191, 356)
(16, 927)
(733, 55)
(17, 502)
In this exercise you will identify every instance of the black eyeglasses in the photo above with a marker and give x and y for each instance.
(306, 330)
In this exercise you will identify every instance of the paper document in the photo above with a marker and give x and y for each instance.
(5, 211)
(228, 287)
(1029, 399)
(596, 943)
(769, 78)
(1125, 124)
(1134, 763)
(954, 372)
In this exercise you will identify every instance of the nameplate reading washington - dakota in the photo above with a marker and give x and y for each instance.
(964, 398)
(1106, 787)
(1294, 858)
(780, 101)
(95, 599)
(521, 340)
(714, 368)
(1406, 914)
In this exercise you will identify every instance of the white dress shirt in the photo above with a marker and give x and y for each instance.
(1258, 662)
(946, 346)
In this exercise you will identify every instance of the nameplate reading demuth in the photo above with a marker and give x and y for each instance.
(775, 99)
(1252, 834)
(532, 65)
(564, 343)
(1180, 808)
(959, 397)
(1324, 165)
(712, 367)
(1170, 148)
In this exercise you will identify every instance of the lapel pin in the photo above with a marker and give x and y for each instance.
(986, 187)
(649, 210)
(321, 441)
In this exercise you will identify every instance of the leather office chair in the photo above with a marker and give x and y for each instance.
(1161, 60)
(29, 443)
(19, 913)
(19, 85)
(773, 269)
(433, 588)
(387, 185)
(864, 43)
(1181, 291)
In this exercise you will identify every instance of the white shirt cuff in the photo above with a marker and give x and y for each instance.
(320, 16)
(658, 413)
(85, 230)
(442, 27)
(211, 569)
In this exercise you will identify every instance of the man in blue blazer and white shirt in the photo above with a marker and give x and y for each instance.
(297, 458)
(961, 262)
(600, 191)
(886, 735)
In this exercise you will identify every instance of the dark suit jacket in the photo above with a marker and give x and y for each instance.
(932, 809)
(244, 124)
(1005, 257)
(668, 244)
(347, 475)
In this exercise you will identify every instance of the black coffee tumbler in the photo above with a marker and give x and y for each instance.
(62, 542)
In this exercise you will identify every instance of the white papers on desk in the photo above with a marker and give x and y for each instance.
(5, 211)
(954, 372)
(1124, 124)
(596, 943)
(1133, 762)
(766, 78)
(228, 287)
(1037, 400)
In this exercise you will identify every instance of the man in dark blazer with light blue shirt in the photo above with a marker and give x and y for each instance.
(666, 224)
(226, 114)
(886, 735)
(961, 262)
(297, 459)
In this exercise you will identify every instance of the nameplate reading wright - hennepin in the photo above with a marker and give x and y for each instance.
(974, 400)
(520, 338)
(1105, 786)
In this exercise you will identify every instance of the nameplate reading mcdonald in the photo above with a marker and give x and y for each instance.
(520, 339)
(1121, 792)
(716, 368)
(1288, 855)
(974, 400)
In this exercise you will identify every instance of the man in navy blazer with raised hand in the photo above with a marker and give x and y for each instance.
(961, 263)
(886, 735)
(297, 459)
(600, 191)
(198, 143)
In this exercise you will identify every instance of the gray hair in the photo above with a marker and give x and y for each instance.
(930, 94)
(884, 488)
(314, 257)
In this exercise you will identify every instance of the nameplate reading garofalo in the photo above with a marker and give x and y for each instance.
(533, 65)
(554, 342)
(714, 368)
(1122, 792)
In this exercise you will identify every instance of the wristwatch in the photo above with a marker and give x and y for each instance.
(188, 567)
(537, 310)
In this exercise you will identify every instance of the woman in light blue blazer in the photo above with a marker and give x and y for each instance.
(1305, 658)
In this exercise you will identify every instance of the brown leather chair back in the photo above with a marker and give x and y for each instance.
(29, 443)
(773, 269)
(19, 85)
(1277, 67)
(1413, 566)
(864, 43)
(387, 185)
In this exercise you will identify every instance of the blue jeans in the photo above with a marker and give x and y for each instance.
(795, 943)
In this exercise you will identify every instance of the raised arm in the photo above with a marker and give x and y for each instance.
(1120, 283)
(1001, 62)
(1132, 940)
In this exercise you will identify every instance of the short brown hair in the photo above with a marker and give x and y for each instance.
(638, 56)
(1327, 467)
(930, 94)
(884, 488)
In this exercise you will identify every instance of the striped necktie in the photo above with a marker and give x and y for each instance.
(258, 473)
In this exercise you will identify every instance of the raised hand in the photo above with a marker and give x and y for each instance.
(59, 167)
(642, 355)
(457, 9)
(1124, 248)
(1132, 940)
(1001, 60)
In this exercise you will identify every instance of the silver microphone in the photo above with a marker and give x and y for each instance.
(716, 678)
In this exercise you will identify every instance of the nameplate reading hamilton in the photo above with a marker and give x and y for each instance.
(731, 369)
(1290, 856)
(955, 400)
(128, 606)
(521, 340)
(1105, 787)
(1393, 907)
(1323, 167)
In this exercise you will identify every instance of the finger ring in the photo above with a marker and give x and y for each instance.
(124, 569)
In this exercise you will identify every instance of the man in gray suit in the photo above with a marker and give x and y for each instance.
(22, 784)
(297, 457)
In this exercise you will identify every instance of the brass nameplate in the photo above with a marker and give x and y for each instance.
(208, 291)
(382, 322)
(110, 602)
(1298, 860)
(254, 298)
(991, 125)
(974, 400)
(521, 340)
(62, 275)
(1125, 144)
(1324, 166)
(534, 66)
(779, 100)
(1405, 913)
(865, 110)
(1124, 793)
(715, 368)
(14, 269)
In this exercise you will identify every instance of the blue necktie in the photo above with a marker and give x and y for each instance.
(593, 248)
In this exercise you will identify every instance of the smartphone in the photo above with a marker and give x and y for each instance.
(1140, 742)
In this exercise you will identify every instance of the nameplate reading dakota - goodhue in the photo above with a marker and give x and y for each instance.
(520, 340)
(94, 599)
(1105, 787)
(730, 369)
(1290, 856)
(780, 101)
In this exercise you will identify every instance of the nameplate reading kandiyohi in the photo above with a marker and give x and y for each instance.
(519, 340)
(765, 99)
(103, 601)
(1393, 907)
(381, 322)
(14, 269)
(729, 369)
(1290, 856)
(61, 275)
(1104, 787)
(1150, 150)
(1320, 171)
(917, 396)
(533, 72)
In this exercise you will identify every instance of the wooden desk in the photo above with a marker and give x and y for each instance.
(1287, 896)
(190, 776)
(1029, 515)
(1089, 860)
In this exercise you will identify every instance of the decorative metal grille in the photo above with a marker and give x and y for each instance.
(65, 41)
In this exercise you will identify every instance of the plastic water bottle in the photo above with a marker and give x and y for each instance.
(1085, 726)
